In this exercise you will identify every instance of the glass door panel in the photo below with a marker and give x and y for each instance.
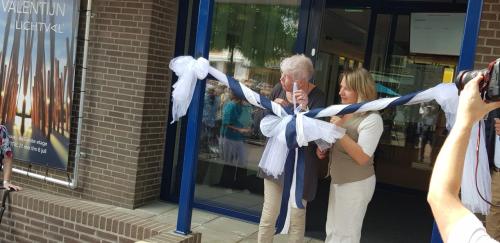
(248, 41)
(413, 135)
(342, 45)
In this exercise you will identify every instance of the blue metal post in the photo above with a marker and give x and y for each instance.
(466, 61)
(195, 111)
(300, 43)
(471, 31)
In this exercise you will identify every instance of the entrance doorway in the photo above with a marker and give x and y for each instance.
(379, 40)
(348, 34)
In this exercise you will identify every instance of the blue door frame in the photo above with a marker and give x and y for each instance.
(201, 48)
(195, 110)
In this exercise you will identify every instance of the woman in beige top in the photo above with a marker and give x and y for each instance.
(351, 160)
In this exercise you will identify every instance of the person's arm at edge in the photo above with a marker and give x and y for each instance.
(447, 174)
(7, 172)
(446, 178)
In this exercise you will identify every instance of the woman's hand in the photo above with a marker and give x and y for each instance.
(244, 130)
(340, 120)
(471, 105)
(7, 185)
(281, 102)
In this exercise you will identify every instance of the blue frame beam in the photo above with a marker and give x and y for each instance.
(300, 44)
(370, 38)
(203, 31)
(471, 31)
(467, 57)
(170, 135)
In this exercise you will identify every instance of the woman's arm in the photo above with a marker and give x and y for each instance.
(447, 173)
(7, 172)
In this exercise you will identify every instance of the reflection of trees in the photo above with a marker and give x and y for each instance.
(262, 33)
(40, 90)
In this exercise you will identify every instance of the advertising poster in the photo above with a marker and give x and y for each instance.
(37, 75)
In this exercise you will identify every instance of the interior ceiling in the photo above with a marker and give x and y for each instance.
(348, 26)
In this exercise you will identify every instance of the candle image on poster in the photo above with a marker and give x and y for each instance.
(37, 75)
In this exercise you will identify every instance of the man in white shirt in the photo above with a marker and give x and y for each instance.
(455, 222)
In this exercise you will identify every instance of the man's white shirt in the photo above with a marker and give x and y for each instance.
(469, 230)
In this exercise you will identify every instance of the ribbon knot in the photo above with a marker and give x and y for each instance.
(299, 129)
(188, 70)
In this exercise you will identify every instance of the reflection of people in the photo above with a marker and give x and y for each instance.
(232, 133)
(427, 127)
(440, 135)
(455, 222)
(493, 146)
(351, 160)
(299, 69)
(6, 155)
(258, 114)
(211, 103)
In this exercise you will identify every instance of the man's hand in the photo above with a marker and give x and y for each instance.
(471, 106)
(301, 98)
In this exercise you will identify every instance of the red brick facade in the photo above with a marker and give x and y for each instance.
(37, 217)
(123, 134)
(126, 103)
(488, 41)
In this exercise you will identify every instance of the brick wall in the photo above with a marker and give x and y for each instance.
(488, 42)
(34, 216)
(125, 109)
(156, 98)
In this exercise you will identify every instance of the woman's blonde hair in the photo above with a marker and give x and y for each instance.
(298, 66)
(361, 81)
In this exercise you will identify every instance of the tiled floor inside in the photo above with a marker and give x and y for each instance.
(214, 227)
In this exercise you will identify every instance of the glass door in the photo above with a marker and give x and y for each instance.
(413, 135)
(248, 41)
(342, 45)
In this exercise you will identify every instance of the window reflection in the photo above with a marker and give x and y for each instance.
(248, 41)
(413, 135)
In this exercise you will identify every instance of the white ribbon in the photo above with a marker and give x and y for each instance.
(299, 130)
(448, 100)
(188, 70)
(274, 156)
(276, 151)
(470, 197)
